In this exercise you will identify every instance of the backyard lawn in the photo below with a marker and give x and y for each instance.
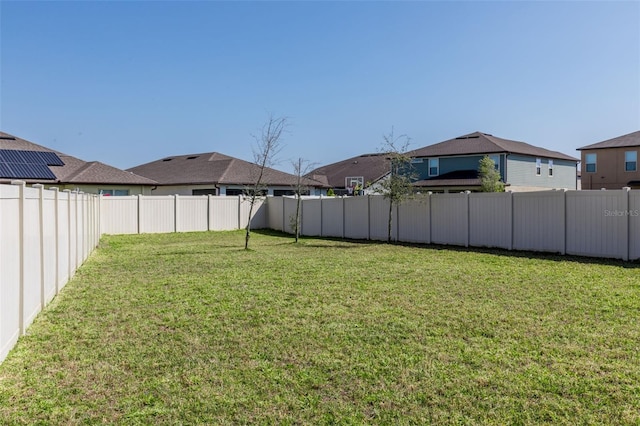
(193, 329)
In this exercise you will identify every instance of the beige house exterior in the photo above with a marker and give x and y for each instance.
(611, 164)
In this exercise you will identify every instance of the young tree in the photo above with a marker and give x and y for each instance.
(301, 168)
(396, 187)
(268, 145)
(489, 176)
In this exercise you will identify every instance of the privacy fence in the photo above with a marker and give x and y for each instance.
(585, 223)
(44, 236)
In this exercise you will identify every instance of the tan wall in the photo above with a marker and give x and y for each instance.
(610, 173)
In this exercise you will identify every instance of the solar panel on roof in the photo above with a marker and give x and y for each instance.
(26, 171)
(30, 157)
(51, 158)
(19, 164)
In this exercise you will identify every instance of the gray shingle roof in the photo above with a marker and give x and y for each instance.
(483, 143)
(371, 167)
(212, 168)
(76, 171)
(631, 139)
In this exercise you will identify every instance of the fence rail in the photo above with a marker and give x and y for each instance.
(44, 236)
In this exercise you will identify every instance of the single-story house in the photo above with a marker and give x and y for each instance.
(452, 165)
(33, 163)
(217, 174)
(611, 164)
(361, 172)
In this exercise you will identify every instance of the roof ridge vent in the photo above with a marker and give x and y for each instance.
(468, 137)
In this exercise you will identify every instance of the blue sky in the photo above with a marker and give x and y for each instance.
(130, 82)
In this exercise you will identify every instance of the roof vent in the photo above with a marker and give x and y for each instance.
(7, 138)
(192, 157)
(468, 137)
(167, 159)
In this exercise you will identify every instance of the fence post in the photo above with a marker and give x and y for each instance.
(627, 209)
(40, 188)
(139, 211)
(208, 212)
(21, 196)
(56, 216)
(511, 220)
(368, 217)
(321, 217)
(430, 198)
(175, 213)
(78, 245)
(68, 191)
(565, 219)
(344, 214)
(466, 193)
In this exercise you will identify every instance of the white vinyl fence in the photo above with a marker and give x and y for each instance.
(585, 223)
(140, 214)
(44, 236)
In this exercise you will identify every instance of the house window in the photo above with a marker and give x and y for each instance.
(590, 163)
(550, 167)
(496, 161)
(114, 192)
(206, 191)
(434, 166)
(353, 181)
(538, 166)
(631, 161)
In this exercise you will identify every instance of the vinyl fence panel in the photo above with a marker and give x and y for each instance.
(333, 217)
(44, 235)
(356, 218)
(597, 223)
(275, 207)
(289, 214)
(539, 221)
(379, 219)
(10, 267)
(634, 225)
(224, 214)
(119, 215)
(31, 255)
(49, 244)
(157, 214)
(311, 223)
(192, 213)
(490, 220)
(414, 221)
(449, 219)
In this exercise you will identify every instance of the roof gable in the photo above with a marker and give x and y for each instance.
(478, 143)
(628, 140)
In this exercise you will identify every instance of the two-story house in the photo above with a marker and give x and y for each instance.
(611, 164)
(452, 165)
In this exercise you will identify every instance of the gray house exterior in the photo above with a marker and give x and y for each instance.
(452, 165)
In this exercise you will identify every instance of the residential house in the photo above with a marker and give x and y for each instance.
(611, 164)
(217, 174)
(347, 176)
(33, 163)
(452, 165)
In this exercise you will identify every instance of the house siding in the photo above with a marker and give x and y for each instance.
(610, 172)
(521, 173)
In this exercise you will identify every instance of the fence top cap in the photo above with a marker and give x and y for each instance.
(18, 182)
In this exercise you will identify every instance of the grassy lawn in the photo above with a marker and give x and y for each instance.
(192, 329)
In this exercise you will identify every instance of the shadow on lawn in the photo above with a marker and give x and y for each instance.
(557, 257)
